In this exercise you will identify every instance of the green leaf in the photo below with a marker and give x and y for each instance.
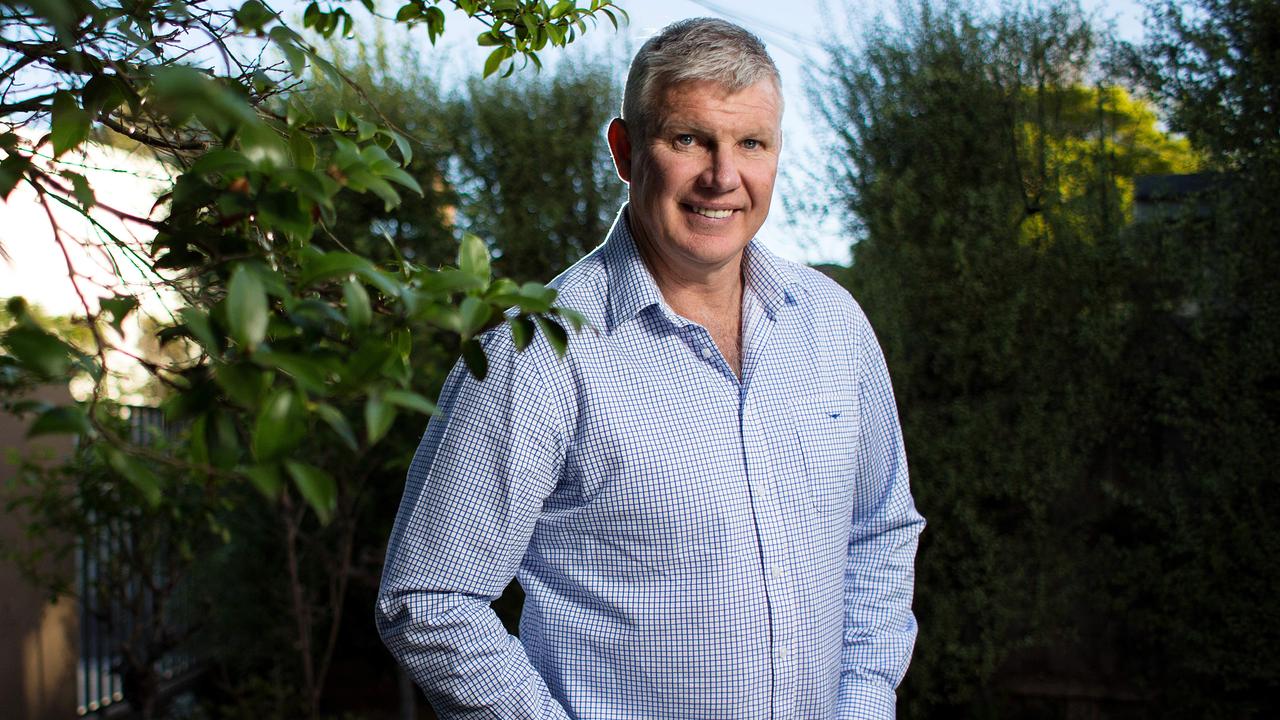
(225, 449)
(398, 175)
(536, 297)
(473, 355)
(12, 168)
(244, 384)
(475, 313)
(441, 282)
(118, 308)
(555, 333)
(280, 426)
(69, 125)
(201, 329)
(473, 257)
(359, 312)
(556, 33)
(522, 330)
(221, 161)
(61, 420)
(443, 316)
(378, 416)
(560, 8)
(411, 401)
(338, 423)
(435, 23)
(247, 308)
(198, 440)
(302, 149)
(137, 473)
(409, 11)
(318, 488)
(307, 372)
(494, 61)
(253, 15)
(402, 144)
(38, 350)
(318, 265)
(575, 318)
(81, 189)
(267, 479)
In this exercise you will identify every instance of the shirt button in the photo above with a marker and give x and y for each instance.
(706, 353)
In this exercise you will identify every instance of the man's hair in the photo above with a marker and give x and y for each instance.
(698, 49)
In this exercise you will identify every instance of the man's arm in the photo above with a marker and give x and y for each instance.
(473, 494)
(879, 627)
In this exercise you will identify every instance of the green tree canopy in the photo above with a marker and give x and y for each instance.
(988, 168)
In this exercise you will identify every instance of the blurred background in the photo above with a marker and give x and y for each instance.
(1060, 218)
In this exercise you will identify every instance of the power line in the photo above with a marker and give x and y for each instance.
(778, 37)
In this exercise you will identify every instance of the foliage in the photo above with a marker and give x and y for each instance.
(1214, 65)
(291, 341)
(1204, 372)
(533, 173)
(1042, 367)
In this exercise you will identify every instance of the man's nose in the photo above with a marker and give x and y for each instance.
(721, 173)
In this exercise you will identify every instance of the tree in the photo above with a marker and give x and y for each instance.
(533, 174)
(988, 177)
(289, 335)
(1204, 363)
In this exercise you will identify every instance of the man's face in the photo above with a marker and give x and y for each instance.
(701, 183)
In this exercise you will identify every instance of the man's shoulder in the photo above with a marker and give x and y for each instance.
(823, 294)
(583, 286)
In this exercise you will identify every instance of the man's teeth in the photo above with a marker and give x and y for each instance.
(714, 214)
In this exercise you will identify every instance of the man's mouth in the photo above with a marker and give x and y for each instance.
(710, 213)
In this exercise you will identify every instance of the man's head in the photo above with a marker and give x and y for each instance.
(698, 142)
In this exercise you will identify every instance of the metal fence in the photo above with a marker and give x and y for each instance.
(108, 620)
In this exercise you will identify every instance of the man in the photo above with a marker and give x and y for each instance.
(706, 500)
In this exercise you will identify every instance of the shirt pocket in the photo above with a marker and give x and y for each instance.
(827, 428)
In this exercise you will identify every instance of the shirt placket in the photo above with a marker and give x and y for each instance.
(768, 512)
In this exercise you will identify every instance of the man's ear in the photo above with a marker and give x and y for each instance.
(620, 148)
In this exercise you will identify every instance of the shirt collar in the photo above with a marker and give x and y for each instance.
(632, 287)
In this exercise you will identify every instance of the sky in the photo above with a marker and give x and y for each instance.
(793, 30)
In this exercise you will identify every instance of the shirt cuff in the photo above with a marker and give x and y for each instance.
(860, 700)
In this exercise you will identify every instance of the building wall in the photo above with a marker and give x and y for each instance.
(38, 639)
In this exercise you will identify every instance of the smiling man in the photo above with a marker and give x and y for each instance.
(706, 501)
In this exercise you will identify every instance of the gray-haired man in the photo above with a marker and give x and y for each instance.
(706, 501)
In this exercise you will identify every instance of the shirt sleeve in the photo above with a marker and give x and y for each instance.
(879, 627)
(472, 497)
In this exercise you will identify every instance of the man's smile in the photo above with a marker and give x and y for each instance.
(713, 213)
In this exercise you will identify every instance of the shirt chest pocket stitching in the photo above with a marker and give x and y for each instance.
(827, 430)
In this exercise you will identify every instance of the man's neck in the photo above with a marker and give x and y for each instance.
(711, 297)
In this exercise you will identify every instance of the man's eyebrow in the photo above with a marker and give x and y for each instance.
(685, 126)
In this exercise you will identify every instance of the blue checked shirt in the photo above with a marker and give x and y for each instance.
(691, 546)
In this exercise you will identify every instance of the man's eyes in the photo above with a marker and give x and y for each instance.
(689, 140)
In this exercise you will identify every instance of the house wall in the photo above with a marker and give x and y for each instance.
(38, 639)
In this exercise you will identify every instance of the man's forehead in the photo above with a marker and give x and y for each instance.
(760, 101)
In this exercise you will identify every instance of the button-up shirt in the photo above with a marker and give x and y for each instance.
(692, 545)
